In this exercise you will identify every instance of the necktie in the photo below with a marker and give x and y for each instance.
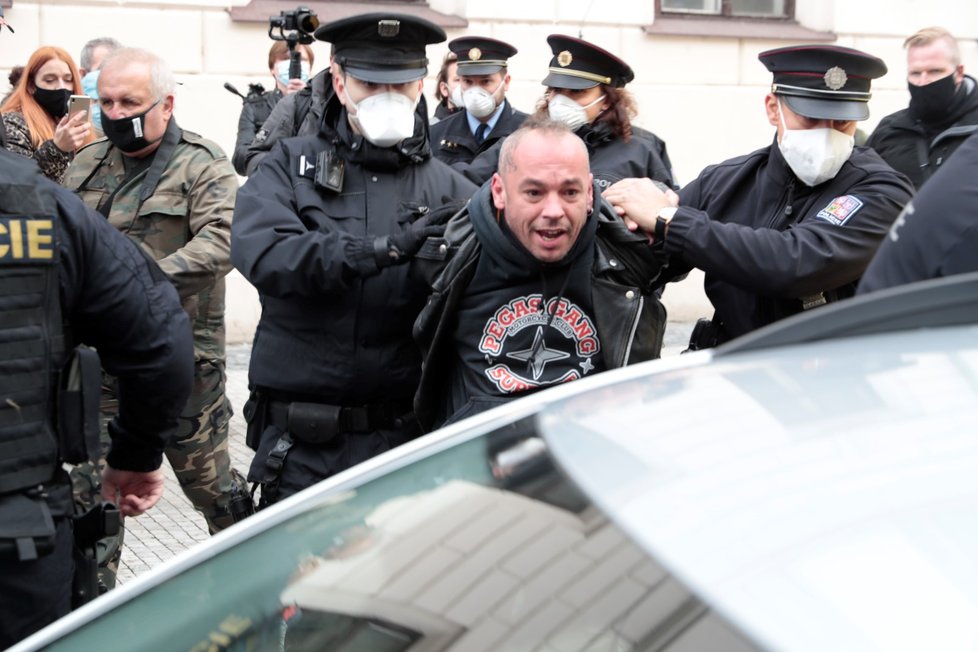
(480, 133)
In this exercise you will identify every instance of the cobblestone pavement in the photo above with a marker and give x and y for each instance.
(173, 526)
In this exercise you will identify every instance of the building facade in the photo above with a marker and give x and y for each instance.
(698, 83)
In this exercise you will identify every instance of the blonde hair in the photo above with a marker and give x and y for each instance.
(930, 35)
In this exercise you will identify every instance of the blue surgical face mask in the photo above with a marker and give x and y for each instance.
(282, 71)
(89, 84)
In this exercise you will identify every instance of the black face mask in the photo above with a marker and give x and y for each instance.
(127, 133)
(931, 103)
(54, 103)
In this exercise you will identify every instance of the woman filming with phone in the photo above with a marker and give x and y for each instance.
(35, 115)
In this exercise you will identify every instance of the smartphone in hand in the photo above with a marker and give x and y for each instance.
(78, 103)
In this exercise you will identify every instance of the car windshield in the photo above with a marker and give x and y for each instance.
(823, 498)
(483, 546)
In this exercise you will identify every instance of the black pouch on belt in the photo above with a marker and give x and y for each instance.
(313, 423)
(27, 528)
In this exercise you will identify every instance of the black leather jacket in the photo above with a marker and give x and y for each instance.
(626, 272)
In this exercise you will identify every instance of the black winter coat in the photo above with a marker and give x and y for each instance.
(334, 327)
(937, 233)
(918, 150)
(298, 114)
(257, 107)
(770, 245)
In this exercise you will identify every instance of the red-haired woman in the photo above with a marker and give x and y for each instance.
(35, 116)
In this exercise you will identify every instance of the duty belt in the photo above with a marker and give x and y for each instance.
(317, 423)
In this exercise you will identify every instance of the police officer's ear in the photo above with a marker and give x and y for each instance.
(772, 109)
(505, 84)
(339, 84)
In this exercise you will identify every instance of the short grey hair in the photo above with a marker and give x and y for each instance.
(162, 82)
(88, 50)
(540, 124)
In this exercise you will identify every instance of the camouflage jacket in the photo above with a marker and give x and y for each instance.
(52, 161)
(179, 209)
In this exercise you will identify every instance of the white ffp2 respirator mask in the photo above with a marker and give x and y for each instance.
(384, 119)
(563, 109)
(479, 102)
(814, 155)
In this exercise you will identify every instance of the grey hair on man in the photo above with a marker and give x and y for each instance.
(162, 81)
(86, 61)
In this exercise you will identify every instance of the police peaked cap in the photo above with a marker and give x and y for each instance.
(478, 55)
(577, 64)
(384, 48)
(824, 82)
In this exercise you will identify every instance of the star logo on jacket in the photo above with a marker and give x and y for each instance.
(525, 348)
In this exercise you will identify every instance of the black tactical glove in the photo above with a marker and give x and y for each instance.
(399, 247)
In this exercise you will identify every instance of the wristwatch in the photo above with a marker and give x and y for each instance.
(662, 222)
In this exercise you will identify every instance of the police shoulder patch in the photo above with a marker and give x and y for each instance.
(840, 209)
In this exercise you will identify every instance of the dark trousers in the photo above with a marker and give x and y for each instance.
(38, 592)
(305, 464)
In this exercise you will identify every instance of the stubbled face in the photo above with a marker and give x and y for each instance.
(928, 63)
(546, 193)
(54, 75)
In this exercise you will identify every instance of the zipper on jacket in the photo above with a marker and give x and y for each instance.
(633, 330)
(784, 208)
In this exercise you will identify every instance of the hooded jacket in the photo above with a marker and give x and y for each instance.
(918, 149)
(611, 300)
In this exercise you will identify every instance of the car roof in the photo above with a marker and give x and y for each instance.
(819, 496)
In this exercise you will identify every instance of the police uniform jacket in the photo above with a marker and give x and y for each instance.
(625, 273)
(612, 158)
(937, 233)
(453, 142)
(918, 150)
(334, 328)
(179, 210)
(116, 299)
(256, 109)
(770, 245)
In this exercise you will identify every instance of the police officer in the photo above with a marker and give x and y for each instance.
(259, 103)
(486, 115)
(68, 277)
(937, 233)
(586, 91)
(791, 226)
(319, 230)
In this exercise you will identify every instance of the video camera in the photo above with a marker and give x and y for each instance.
(294, 26)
